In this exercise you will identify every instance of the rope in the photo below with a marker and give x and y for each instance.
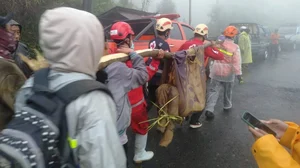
(162, 115)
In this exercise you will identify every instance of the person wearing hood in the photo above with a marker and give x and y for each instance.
(245, 46)
(16, 29)
(73, 42)
(121, 79)
(7, 43)
(223, 73)
(11, 77)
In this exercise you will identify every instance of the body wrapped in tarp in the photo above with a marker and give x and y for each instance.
(185, 76)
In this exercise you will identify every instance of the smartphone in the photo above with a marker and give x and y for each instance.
(254, 122)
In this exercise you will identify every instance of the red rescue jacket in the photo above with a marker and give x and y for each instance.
(211, 52)
(136, 96)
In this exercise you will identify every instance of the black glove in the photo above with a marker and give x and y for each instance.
(240, 78)
(101, 76)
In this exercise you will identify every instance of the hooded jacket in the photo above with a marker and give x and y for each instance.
(269, 153)
(245, 47)
(23, 49)
(72, 41)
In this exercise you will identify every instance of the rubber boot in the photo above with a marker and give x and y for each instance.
(140, 145)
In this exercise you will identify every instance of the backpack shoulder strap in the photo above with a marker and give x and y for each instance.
(75, 89)
(41, 83)
(67, 94)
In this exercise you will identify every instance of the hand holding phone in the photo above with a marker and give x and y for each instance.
(256, 123)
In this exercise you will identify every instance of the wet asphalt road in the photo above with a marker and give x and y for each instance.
(271, 90)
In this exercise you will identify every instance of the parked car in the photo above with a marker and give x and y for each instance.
(145, 31)
(260, 39)
(289, 36)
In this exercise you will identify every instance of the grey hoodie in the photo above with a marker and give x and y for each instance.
(72, 41)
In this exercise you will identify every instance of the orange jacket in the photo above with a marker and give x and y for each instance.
(275, 38)
(269, 153)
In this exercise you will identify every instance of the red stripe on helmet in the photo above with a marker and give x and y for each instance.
(167, 23)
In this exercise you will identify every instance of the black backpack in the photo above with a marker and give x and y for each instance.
(37, 136)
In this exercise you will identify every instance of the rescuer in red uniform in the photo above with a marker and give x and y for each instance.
(200, 34)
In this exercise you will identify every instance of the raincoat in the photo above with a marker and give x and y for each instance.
(138, 103)
(225, 70)
(245, 47)
(269, 153)
(72, 44)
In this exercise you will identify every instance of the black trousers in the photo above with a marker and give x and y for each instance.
(195, 117)
(274, 50)
(125, 146)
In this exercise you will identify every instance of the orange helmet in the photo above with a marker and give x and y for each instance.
(231, 31)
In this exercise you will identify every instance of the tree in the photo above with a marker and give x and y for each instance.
(28, 12)
(145, 5)
(166, 6)
(127, 4)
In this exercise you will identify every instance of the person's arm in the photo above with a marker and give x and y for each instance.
(182, 47)
(268, 153)
(153, 68)
(236, 61)
(95, 118)
(136, 76)
(213, 53)
(287, 138)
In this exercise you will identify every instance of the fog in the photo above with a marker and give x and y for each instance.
(271, 13)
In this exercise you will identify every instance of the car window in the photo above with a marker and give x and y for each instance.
(175, 32)
(287, 30)
(261, 31)
(189, 33)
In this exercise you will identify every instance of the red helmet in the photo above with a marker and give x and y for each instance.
(120, 30)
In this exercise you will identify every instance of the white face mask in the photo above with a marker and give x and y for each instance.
(132, 45)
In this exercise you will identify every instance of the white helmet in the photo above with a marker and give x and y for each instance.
(164, 24)
(243, 28)
(201, 29)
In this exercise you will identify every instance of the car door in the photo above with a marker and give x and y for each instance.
(188, 32)
(176, 38)
(297, 39)
(263, 38)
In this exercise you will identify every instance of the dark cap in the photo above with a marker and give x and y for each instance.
(4, 20)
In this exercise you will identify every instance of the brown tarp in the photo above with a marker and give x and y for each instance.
(185, 77)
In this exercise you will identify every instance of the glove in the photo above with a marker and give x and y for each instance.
(240, 78)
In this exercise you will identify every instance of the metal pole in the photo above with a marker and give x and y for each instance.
(87, 5)
(190, 12)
